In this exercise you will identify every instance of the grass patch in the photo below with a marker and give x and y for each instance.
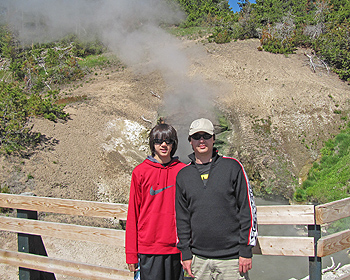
(221, 142)
(329, 180)
(93, 61)
(224, 123)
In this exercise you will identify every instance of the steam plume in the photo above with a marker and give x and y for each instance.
(129, 28)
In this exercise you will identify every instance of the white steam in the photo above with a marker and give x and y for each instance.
(129, 28)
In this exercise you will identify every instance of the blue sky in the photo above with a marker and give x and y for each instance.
(234, 5)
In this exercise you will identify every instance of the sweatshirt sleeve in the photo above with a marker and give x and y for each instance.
(131, 234)
(183, 224)
(247, 214)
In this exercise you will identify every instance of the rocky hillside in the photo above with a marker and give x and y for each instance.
(278, 109)
(279, 113)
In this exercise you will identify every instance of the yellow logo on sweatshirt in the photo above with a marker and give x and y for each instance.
(205, 176)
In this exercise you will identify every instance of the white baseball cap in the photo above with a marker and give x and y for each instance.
(202, 124)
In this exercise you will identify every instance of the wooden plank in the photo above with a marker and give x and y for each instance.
(64, 267)
(65, 206)
(66, 231)
(285, 246)
(333, 243)
(286, 215)
(332, 211)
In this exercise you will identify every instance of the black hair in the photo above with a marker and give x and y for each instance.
(163, 131)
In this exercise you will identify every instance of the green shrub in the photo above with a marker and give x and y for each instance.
(83, 48)
(275, 44)
(16, 107)
(334, 47)
(220, 36)
(205, 12)
(46, 107)
(13, 117)
(36, 71)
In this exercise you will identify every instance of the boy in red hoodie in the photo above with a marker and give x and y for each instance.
(151, 225)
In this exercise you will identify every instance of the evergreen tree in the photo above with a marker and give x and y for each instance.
(269, 11)
(202, 12)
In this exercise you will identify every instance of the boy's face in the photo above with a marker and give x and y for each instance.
(162, 149)
(201, 145)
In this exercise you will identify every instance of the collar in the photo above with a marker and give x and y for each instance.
(214, 157)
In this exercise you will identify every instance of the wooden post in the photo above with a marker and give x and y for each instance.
(315, 263)
(31, 244)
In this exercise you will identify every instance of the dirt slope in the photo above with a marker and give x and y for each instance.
(280, 113)
(275, 103)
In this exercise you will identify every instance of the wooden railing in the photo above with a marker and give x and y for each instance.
(313, 246)
(61, 230)
(285, 215)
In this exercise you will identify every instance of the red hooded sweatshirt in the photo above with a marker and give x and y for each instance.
(151, 223)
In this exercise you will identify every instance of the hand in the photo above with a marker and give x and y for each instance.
(244, 265)
(187, 267)
(132, 267)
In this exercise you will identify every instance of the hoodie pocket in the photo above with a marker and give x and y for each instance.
(158, 228)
